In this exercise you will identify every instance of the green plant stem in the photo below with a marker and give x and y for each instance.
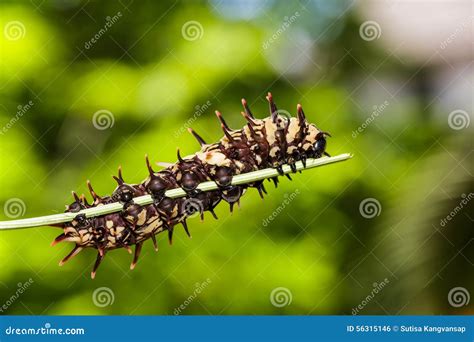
(174, 193)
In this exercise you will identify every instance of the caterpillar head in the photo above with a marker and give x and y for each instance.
(314, 144)
(320, 144)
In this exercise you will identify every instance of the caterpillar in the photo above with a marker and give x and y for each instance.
(261, 143)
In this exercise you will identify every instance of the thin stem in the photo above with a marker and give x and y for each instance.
(174, 193)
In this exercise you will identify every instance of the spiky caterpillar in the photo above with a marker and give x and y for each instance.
(261, 143)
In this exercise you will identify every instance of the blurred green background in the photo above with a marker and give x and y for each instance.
(86, 86)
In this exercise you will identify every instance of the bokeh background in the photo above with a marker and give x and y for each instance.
(86, 86)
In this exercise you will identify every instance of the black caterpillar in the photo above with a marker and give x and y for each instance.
(261, 143)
